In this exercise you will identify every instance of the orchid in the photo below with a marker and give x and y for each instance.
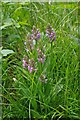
(50, 33)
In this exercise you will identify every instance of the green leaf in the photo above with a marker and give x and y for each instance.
(4, 26)
(5, 52)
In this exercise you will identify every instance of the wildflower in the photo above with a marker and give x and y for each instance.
(31, 65)
(38, 35)
(31, 39)
(50, 33)
(35, 33)
(30, 68)
(30, 44)
(25, 63)
(41, 56)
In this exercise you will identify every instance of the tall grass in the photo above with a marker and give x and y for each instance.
(24, 95)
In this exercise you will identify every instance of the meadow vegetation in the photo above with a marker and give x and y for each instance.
(40, 62)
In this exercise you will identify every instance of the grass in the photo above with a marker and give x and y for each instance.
(24, 95)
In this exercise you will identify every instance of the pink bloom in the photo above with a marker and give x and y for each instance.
(30, 69)
(35, 33)
(41, 56)
(41, 60)
(38, 36)
(50, 33)
(25, 64)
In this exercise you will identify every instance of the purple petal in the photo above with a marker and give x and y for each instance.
(38, 36)
(30, 69)
(24, 63)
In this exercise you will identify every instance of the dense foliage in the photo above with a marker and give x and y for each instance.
(40, 60)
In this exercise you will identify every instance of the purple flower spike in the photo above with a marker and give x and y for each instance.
(41, 60)
(30, 69)
(41, 56)
(38, 36)
(35, 33)
(25, 64)
(50, 33)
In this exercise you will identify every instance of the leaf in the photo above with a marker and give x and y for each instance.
(58, 88)
(0, 53)
(7, 22)
(4, 26)
(5, 52)
(1, 48)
